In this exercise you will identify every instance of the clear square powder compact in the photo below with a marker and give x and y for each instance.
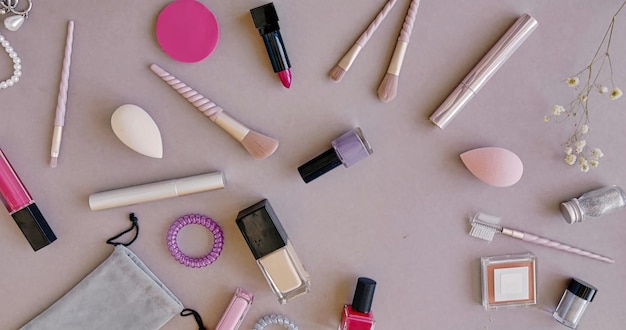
(509, 281)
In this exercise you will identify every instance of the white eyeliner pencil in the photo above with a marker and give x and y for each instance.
(59, 119)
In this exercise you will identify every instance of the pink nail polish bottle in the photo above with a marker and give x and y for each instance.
(359, 316)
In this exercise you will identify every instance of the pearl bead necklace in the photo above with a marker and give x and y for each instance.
(17, 64)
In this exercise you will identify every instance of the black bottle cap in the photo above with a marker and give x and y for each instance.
(582, 289)
(319, 165)
(363, 295)
(34, 226)
(261, 229)
(265, 18)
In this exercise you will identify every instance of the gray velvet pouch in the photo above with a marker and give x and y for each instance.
(121, 293)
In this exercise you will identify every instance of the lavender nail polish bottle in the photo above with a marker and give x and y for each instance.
(348, 149)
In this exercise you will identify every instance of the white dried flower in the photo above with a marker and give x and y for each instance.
(580, 145)
(584, 168)
(546, 119)
(584, 85)
(557, 109)
(616, 94)
(597, 153)
(572, 81)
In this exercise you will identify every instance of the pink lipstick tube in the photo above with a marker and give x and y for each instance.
(265, 20)
(22, 207)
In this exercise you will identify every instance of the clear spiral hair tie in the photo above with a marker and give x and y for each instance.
(212, 226)
(276, 319)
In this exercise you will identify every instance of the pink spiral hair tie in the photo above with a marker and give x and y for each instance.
(189, 219)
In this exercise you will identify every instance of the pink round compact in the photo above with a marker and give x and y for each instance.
(187, 31)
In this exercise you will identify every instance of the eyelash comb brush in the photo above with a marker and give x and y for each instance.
(339, 71)
(485, 226)
(258, 145)
(389, 86)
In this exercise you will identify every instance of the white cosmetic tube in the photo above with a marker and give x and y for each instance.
(484, 70)
(156, 191)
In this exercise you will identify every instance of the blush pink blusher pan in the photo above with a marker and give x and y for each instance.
(509, 281)
(531, 289)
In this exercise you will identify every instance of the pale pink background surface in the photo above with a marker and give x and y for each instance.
(399, 216)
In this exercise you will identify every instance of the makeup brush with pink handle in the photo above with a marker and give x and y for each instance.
(528, 237)
(339, 71)
(258, 145)
(389, 86)
(485, 226)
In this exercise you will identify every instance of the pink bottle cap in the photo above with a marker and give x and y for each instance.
(187, 31)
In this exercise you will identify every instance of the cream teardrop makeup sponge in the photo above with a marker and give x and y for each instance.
(494, 166)
(137, 130)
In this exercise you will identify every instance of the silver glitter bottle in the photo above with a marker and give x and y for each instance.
(574, 302)
(593, 204)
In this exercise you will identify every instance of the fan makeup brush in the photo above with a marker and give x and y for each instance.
(389, 86)
(258, 145)
(339, 71)
(485, 226)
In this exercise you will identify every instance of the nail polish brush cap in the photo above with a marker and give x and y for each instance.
(348, 149)
(363, 295)
(261, 229)
(265, 18)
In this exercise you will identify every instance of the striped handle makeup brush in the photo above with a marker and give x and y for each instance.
(337, 73)
(485, 226)
(389, 86)
(258, 145)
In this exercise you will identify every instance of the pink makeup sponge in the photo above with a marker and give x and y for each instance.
(494, 166)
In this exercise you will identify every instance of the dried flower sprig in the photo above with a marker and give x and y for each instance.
(575, 147)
